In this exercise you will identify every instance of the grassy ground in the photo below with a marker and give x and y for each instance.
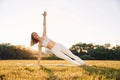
(24, 70)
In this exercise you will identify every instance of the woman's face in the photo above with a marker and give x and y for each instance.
(35, 35)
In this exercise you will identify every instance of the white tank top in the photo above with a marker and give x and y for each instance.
(45, 42)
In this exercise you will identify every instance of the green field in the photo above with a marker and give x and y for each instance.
(58, 70)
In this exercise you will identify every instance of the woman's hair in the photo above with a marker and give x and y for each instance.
(33, 40)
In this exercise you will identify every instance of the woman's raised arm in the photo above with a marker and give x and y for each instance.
(44, 23)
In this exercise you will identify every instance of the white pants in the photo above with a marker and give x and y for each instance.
(64, 53)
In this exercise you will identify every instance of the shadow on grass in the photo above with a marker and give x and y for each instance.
(109, 73)
(49, 72)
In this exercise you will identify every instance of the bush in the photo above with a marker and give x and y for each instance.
(87, 57)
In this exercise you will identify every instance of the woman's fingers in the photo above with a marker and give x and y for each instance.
(45, 13)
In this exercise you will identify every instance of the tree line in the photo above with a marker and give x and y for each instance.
(96, 52)
(83, 50)
(8, 51)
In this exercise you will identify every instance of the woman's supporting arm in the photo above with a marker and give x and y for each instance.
(39, 54)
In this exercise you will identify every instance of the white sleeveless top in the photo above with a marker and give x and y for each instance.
(45, 42)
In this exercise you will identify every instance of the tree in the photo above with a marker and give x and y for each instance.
(107, 45)
(8, 51)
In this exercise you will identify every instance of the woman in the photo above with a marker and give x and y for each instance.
(56, 48)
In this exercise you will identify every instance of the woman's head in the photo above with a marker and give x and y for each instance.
(34, 38)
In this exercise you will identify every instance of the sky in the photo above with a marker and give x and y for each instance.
(68, 21)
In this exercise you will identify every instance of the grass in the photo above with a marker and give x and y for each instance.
(18, 70)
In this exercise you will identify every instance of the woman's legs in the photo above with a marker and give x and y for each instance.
(63, 56)
(70, 54)
(57, 50)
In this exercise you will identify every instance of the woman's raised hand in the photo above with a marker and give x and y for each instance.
(45, 13)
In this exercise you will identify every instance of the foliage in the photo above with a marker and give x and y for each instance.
(98, 52)
(8, 51)
(83, 50)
